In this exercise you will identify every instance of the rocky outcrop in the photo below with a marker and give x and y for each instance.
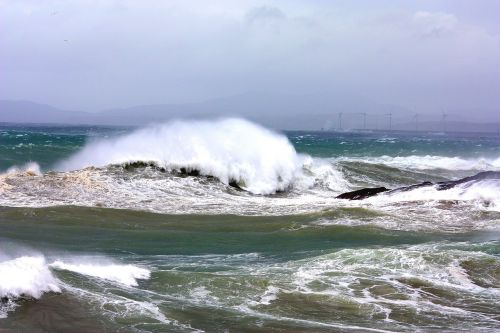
(440, 186)
(363, 193)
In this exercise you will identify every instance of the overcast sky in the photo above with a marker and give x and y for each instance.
(91, 55)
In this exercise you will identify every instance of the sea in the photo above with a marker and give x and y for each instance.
(226, 226)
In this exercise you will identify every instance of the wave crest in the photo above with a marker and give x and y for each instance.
(232, 150)
(124, 274)
(26, 276)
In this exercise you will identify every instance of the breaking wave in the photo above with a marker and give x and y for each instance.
(232, 150)
(26, 276)
(29, 276)
(124, 274)
(140, 171)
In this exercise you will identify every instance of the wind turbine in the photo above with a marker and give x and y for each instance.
(364, 120)
(416, 121)
(390, 119)
(443, 119)
(340, 121)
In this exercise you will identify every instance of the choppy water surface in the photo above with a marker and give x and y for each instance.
(226, 226)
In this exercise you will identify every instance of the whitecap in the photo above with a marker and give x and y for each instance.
(124, 274)
(26, 276)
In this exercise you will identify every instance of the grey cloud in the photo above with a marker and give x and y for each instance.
(435, 24)
(424, 55)
(264, 13)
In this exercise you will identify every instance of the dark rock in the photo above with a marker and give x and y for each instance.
(363, 193)
(189, 172)
(411, 187)
(236, 185)
(186, 172)
(132, 166)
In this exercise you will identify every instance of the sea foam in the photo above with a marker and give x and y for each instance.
(232, 150)
(485, 193)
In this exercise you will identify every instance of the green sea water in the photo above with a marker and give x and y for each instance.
(115, 249)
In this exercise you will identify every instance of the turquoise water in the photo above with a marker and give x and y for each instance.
(43, 144)
(111, 246)
(47, 145)
(362, 144)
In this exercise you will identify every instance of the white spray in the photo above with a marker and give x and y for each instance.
(229, 149)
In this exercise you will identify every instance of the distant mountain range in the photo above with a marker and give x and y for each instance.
(283, 111)
(280, 111)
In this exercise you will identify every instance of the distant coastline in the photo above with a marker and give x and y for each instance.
(281, 112)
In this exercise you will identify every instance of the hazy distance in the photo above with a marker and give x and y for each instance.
(288, 64)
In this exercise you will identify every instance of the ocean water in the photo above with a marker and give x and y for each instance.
(225, 226)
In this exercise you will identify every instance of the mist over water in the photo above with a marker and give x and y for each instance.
(225, 225)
